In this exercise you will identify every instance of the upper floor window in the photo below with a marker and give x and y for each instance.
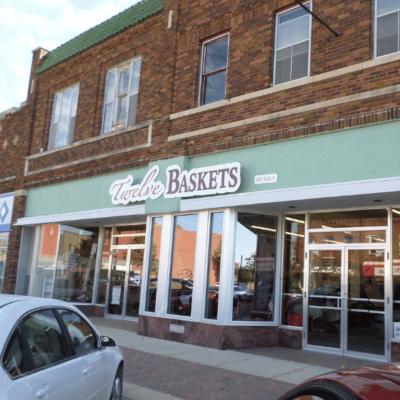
(64, 115)
(387, 27)
(122, 88)
(292, 45)
(214, 63)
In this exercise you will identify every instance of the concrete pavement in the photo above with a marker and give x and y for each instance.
(159, 370)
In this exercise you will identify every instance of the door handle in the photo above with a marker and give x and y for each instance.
(87, 370)
(43, 392)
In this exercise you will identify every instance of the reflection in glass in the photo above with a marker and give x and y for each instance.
(182, 265)
(396, 263)
(104, 267)
(117, 282)
(3, 257)
(366, 301)
(324, 313)
(254, 276)
(76, 263)
(347, 237)
(134, 282)
(214, 265)
(154, 263)
(130, 234)
(348, 219)
(293, 270)
(42, 280)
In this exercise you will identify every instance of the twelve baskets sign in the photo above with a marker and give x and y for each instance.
(217, 179)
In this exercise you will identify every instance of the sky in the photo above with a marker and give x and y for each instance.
(28, 24)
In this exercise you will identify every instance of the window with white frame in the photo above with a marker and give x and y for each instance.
(387, 35)
(64, 115)
(122, 89)
(292, 45)
(214, 64)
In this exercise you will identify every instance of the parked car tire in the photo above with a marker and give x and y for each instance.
(116, 392)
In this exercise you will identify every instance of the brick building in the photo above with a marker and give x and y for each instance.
(226, 173)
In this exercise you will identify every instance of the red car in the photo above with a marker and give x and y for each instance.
(376, 382)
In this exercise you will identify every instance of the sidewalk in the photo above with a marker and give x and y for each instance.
(159, 370)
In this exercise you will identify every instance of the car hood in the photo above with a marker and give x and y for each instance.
(374, 382)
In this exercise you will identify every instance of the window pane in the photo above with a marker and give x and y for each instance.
(300, 61)
(396, 264)
(107, 118)
(123, 81)
(57, 108)
(154, 264)
(135, 76)
(42, 279)
(3, 258)
(293, 270)
(283, 65)
(182, 265)
(134, 282)
(66, 104)
(14, 361)
(214, 265)
(347, 237)
(214, 87)
(297, 13)
(385, 6)
(293, 32)
(132, 234)
(121, 108)
(255, 249)
(348, 219)
(104, 268)
(216, 56)
(82, 336)
(110, 90)
(62, 134)
(76, 264)
(387, 34)
(46, 340)
(74, 103)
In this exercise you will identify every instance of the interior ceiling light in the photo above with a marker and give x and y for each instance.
(297, 220)
(264, 229)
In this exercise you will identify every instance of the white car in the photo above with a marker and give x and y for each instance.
(50, 351)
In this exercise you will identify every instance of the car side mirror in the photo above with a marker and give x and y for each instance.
(106, 341)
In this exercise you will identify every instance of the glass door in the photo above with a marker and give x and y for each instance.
(116, 288)
(134, 282)
(323, 300)
(365, 305)
(125, 282)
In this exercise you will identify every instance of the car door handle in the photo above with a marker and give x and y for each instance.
(87, 370)
(43, 392)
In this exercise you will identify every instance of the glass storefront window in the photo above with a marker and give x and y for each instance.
(255, 258)
(293, 270)
(76, 262)
(42, 279)
(3, 257)
(348, 219)
(396, 263)
(130, 234)
(214, 265)
(154, 262)
(182, 265)
(347, 237)
(104, 267)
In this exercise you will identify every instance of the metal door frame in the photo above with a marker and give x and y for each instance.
(128, 248)
(344, 300)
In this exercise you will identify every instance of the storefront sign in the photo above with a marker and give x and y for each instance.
(269, 178)
(217, 179)
(6, 210)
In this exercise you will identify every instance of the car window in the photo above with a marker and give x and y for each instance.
(46, 341)
(13, 360)
(82, 336)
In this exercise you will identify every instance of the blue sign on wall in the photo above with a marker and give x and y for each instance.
(6, 209)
